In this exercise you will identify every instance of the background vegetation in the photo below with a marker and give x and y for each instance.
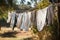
(48, 33)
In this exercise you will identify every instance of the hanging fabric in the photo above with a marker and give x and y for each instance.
(9, 17)
(12, 19)
(29, 18)
(50, 15)
(25, 22)
(19, 19)
(33, 17)
(41, 18)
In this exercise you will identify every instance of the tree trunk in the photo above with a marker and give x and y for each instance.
(59, 19)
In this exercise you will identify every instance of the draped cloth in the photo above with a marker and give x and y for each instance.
(12, 19)
(9, 17)
(33, 18)
(19, 19)
(50, 15)
(24, 20)
(29, 18)
(41, 18)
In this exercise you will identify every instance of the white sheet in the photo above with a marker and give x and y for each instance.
(19, 19)
(12, 19)
(26, 22)
(41, 18)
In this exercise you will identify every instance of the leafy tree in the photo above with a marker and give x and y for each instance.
(43, 4)
(4, 7)
(22, 1)
(28, 3)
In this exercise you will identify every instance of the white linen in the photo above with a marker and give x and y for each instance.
(41, 18)
(12, 19)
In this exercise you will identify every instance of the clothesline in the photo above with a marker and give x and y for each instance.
(25, 19)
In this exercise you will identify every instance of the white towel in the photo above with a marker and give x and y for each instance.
(41, 18)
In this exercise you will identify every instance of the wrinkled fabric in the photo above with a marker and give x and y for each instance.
(25, 21)
(41, 18)
(33, 18)
(19, 20)
(9, 17)
(29, 18)
(50, 15)
(12, 19)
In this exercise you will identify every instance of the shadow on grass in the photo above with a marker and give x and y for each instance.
(9, 34)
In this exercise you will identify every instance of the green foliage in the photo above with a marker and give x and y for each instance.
(28, 3)
(34, 29)
(43, 4)
(22, 1)
(3, 12)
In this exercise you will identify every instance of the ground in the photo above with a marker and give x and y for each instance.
(9, 34)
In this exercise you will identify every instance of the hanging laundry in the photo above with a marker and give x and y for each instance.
(25, 22)
(29, 18)
(41, 18)
(50, 15)
(12, 19)
(19, 20)
(33, 18)
(9, 17)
